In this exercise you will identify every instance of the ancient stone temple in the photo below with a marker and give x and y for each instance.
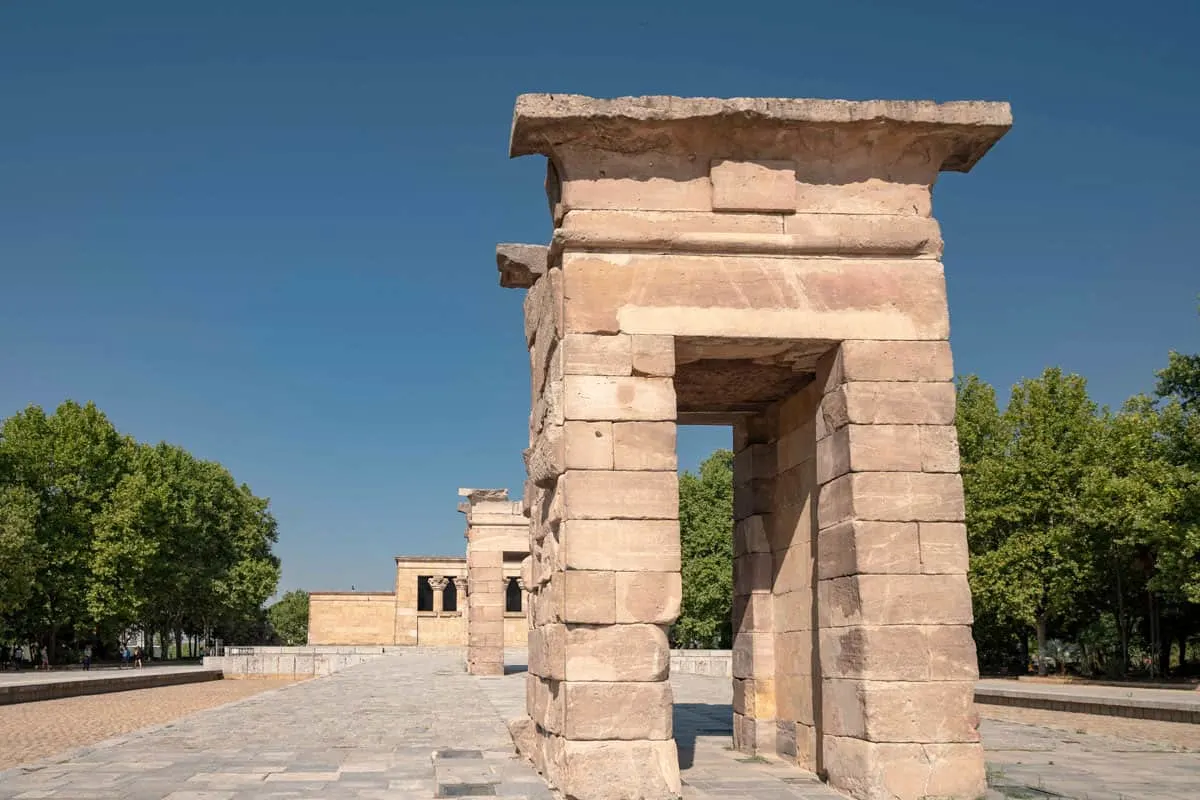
(770, 265)
(444, 601)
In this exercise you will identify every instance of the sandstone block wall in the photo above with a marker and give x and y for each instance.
(351, 618)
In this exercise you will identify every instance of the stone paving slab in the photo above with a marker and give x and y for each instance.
(371, 731)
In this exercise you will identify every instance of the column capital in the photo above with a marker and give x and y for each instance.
(438, 583)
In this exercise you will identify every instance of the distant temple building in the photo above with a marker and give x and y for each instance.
(432, 603)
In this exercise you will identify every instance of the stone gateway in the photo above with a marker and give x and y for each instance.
(771, 265)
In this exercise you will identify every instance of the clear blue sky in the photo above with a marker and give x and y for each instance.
(265, 230)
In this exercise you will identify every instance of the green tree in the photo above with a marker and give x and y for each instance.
(18, 547)
(1031, 564)
(706, 540)
(289, 617)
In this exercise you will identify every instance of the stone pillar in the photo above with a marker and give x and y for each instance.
(766, 264)
(438, 584)
(754, 719)
(495, 526)
(897, 656)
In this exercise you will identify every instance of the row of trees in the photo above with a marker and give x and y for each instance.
(101, 535)
(1083, 523)
(1083, 526)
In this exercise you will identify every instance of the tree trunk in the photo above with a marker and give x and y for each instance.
(1155, 636)
(1041, 644)
(1181, 635)
(178, 644)
(1122, 627)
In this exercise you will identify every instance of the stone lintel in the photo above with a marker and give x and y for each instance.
(479, 495)
(957, 133)
(520, 265)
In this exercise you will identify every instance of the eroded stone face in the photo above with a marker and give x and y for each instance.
(771, 264)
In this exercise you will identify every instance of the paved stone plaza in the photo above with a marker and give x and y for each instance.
(400, 726)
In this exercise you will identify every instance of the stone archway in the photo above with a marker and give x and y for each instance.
(773, 265)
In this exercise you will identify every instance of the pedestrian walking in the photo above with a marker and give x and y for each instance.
(87, 658)
(137, 656)
(45, 658)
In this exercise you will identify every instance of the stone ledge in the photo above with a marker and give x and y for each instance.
(1140, 708)
(634, 124)
(55, 690)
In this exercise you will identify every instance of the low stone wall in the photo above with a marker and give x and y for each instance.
(115, 682)
(296, 663)
(702, 662)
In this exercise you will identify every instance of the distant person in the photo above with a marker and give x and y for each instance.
(45, 658)
(137, 656)
(125, 655)
(87, 658)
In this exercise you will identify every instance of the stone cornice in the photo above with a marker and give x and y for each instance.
(956, 133)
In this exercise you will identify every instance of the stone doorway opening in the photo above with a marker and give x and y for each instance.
(767, 392)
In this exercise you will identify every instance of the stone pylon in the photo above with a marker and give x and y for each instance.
(771, 265)
(496, 528)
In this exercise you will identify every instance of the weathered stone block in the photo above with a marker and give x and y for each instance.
(894, 600)
(939, 448)
(755, 297)
(753, 572)
(617, 653)
(599, 397)
(609, 494)
(899, 653)
(653, 355)
(833, 455)
(588, 597)
(753, 655)
(544, 701)
(891, 497)
(621, 545)
(944, 547)
(894, 403)
(545, 459)
(752, 497)
(547, 651)
(661, 228)
(897, 361)
(755, 461)
(854, 547)
(588, 445)
(865, 234)
(794, 568)
(750, 535)
(793, 611)
(795, 694)
(544, 301)
(753, 185)
(644, 446)
(884, 448)
(872, 771)
(796, 446)
(622, 711)
(652, 597)
(592, 354)
(619, 770)
(900, 711)
(752, 613)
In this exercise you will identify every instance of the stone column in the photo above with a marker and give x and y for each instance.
(495, 526)
(897, 656)
(753, 579)
(438, 584)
